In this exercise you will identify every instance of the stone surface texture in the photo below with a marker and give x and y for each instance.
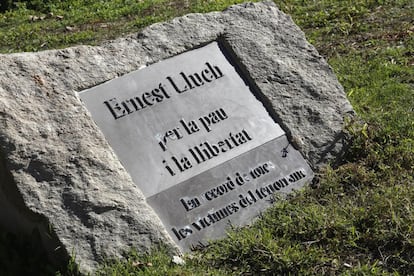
(61, 179)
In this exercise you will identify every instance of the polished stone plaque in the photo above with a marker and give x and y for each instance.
(186, 125)
(201, 208)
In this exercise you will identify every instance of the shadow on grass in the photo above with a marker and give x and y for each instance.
(25, 255)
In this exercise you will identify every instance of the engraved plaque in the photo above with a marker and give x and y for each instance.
(197, 142)
(202, 207)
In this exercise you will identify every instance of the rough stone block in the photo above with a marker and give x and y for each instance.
(59, 175)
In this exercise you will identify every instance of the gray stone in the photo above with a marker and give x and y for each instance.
(61, 178)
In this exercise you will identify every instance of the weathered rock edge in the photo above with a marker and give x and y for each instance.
(57, 167)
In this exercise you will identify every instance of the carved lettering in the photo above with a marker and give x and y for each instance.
(220, 190)
(182, 164)
(190, 203)
(186, 82)
(182, 233)
(206, 150)
(245, 200)
(213, 118)
(191, 127)
(173, 134)
(115, 108)
(181, 83)
(261, 170)
(128, 106)
(296, 176)
(215, 216)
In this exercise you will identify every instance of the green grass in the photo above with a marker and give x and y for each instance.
(88, 22)
(358, 219)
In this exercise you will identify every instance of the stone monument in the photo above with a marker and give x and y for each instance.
(164, 137)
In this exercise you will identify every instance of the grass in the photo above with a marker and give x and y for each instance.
(88, 22)
(358, 218)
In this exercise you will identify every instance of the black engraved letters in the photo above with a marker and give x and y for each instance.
(181, 83)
